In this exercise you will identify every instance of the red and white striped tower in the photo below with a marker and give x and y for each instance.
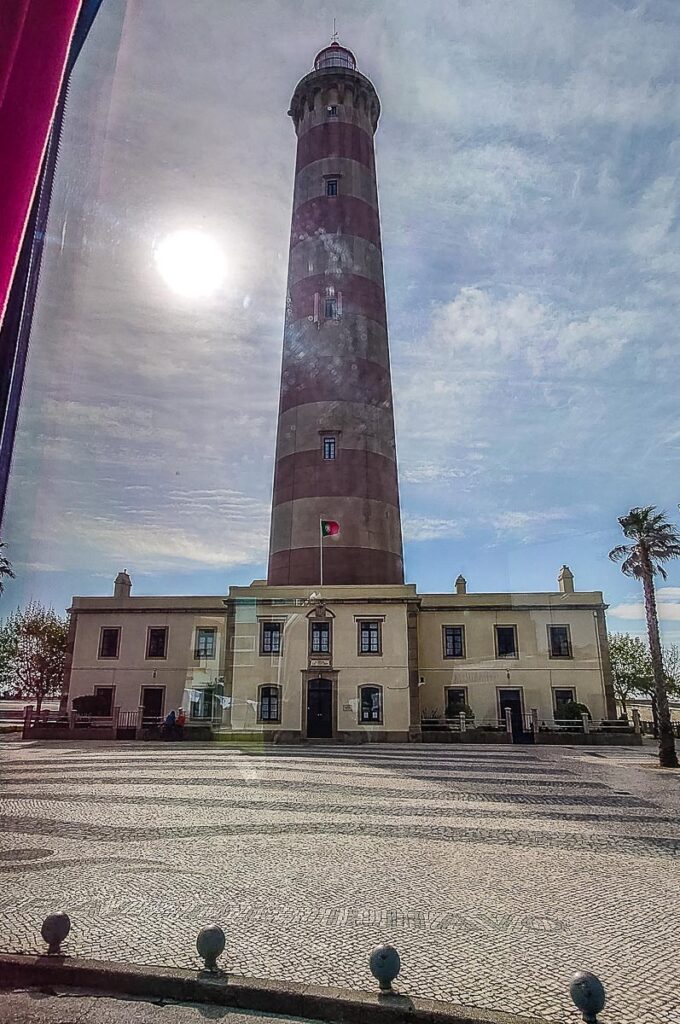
(335, 453)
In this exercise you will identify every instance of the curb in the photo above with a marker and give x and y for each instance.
(313, 1002)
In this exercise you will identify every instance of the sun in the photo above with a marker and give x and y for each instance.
(191, 263)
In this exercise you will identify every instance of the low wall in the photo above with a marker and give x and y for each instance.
(59, 732)
(469, 736)
(590, 739)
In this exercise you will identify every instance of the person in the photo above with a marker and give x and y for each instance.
(169, 726)
(181, 719)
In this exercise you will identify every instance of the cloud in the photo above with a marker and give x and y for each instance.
(529, 526)
(418, 527)
(668, 611)
(485, 330)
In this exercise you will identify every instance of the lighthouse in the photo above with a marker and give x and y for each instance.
(335, 449)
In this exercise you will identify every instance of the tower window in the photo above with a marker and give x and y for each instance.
(331, 186)
(332, 110)
(329, 447)
(330, 308)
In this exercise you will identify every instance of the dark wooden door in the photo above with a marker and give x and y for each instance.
(513, 699)
(319, 708)
(152, 699)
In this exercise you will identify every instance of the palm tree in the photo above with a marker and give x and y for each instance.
(655, 541)
(5, 570)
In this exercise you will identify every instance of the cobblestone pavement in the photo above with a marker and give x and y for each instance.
(496, 871)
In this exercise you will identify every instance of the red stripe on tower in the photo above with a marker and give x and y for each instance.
(340, 455)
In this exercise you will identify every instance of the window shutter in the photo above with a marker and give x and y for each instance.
(316, 307)
(339, 304)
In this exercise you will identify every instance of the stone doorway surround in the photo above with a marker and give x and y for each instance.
(320, 673)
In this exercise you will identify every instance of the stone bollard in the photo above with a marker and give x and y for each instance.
(463, 721)
(586, 723)
(508, 720)
(210, 944)
(588, 995)
(54, 930)
(636, 722)
(29, 711)
(385, 964)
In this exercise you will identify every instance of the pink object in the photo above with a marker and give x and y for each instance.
(34, 41)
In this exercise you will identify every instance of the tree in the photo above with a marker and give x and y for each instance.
(671, 665)
(6, 570)
(33, 652)
(655, 541)
(631, 666)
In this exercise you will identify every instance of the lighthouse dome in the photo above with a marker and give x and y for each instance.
(334, 56)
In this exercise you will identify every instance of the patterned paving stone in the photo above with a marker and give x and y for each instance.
(496, 872)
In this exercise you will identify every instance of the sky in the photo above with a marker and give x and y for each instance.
(528, 163)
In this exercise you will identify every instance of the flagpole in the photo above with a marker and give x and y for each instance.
(321, 552)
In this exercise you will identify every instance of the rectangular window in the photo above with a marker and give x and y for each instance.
(201, 704)
(104, 695)
(454, 641)
(269, 704)
(331, 186)
(456, 700)
(109, 642)
(332, 110)
(559, 642)
(561, 697)
(329, 448)
(369, 638)
(157, 642)
(320, 637)
(506, 641)
(330, 309)
(205, 643)
(371, 704)
(270, 637)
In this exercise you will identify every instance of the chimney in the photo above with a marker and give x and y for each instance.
(122, 585)
(461, 585)
(566, 580)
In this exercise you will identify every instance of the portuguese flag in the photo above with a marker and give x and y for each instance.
(329, 528)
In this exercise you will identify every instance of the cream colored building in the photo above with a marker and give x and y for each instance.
(346, 663)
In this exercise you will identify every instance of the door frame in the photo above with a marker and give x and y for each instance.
(319, 673)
